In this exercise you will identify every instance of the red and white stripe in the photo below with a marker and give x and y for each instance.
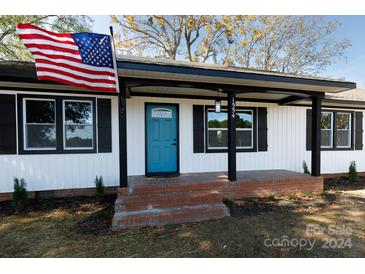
(57, 58)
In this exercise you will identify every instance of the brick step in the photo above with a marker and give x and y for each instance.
(135, 202)
(182, 187)
(176, 215)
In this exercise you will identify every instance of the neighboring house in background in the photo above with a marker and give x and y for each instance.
(59, 138)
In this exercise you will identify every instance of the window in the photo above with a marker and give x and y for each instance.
(244, 129)
(78, 124)
(327, 129)
(39, 124)
(336, 129)
(217, 129)
(59, 125)
(343, 129)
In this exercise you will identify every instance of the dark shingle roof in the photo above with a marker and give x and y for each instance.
(17, 69)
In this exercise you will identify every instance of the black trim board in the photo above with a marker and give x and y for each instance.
(123, 148)
(133, 65)
(59, 125)
(56, 91)
(27, 71)
(177, 172)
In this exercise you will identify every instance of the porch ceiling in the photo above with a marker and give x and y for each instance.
(329, 102)
(182, 92)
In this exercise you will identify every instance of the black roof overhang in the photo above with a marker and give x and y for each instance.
(130, 65)
(25, 72)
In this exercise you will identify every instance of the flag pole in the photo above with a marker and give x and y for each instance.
(122, 123)
(114, 57)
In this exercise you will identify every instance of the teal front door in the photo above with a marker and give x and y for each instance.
(161, 139)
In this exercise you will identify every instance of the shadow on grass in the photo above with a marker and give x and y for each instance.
(83, 231)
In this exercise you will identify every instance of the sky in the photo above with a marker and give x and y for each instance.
(351, 27)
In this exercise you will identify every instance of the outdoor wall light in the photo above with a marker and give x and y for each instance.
(218, 104)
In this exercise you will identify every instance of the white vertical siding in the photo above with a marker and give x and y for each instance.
(286, 142)
(286, 150)
(63, 171)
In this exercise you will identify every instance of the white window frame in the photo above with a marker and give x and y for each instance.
(237, 129)
(349, 130)
(64, 124)
(331, 129)
(25, 128)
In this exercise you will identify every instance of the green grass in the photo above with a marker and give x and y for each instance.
(82, 230)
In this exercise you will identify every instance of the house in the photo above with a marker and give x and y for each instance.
(164, 123)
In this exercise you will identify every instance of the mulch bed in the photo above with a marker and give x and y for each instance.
(343, 183)
(73, 204)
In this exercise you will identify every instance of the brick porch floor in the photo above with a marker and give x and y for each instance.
(192, 197)
(263, 181)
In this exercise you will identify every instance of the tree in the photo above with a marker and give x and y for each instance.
(295, 44)
(11, 48)
(196, 38)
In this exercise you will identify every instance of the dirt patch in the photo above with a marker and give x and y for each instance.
(249, 207)
(98, 222)
(254, 206)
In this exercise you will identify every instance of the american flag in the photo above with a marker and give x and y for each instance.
(80, 59)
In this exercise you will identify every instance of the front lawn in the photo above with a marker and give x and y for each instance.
(81, 228)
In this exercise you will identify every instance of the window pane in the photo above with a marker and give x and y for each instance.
(326, 120)
(343, 121)
(79, 136)
(217, 119)
(40, 111)
(244, 119)
(40, 136)
(217, 138)
(244, 138)
(326, 138)
(343, 138)
(78, 113)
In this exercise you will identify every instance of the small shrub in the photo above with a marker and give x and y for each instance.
(291, 197)
(169, 226)
(271, 196)
(353, 176)
(308, 194)
(100, 190)
(20, 194)
(229, 202)
(305, 168)
(323, 193)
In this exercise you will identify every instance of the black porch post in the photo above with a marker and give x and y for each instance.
(316, 136)
(122, 114)
(231, 136)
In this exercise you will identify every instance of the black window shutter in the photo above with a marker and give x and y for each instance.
(104, 125)
(262, 129)
(198, 128)
(358, 130)
(309, 129)
(7, 124)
